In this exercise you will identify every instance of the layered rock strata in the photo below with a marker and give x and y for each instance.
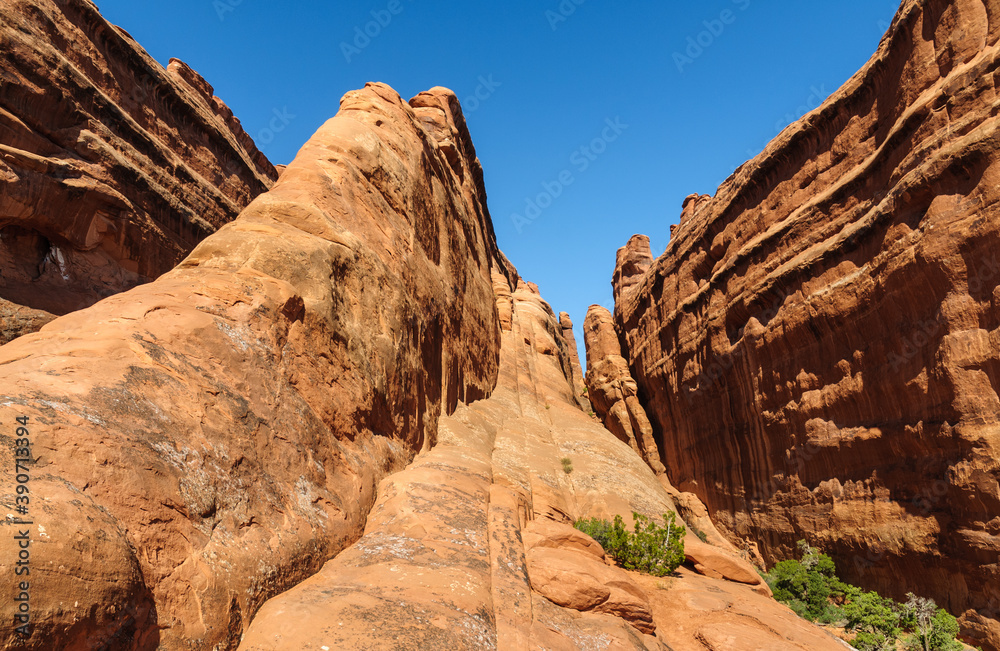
(202, 443)
(818, 346)
(112, 168)
(470, 547)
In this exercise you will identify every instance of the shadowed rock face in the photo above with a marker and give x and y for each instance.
(579, 386)
(612, 390)
(818, 346)
(205, 441)
(112, 168)
(470, 547)
(17, 320)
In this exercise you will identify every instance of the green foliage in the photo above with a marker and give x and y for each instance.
(599, 530)
(649, 548)
(810, 587)
(567, 465)
(876, 619)
(702, 536)
(938, 634)
(807, 586)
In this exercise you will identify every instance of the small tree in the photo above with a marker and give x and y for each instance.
(810, 554)
(922, 612)
(936, 629)
(807, 586)
(654, 549)
(875, 618)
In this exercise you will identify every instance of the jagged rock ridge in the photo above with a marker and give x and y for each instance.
(471, 546)
(112, 168)
(817, 348)
(205, 441)
(222, 457)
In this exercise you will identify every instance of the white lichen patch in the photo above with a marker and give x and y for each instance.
(74, 410)
(478, 631)
(385, 546)
(241, 336)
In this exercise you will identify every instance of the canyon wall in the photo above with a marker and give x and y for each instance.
(203, 442)
(342, 421)
(818, 348)
(112, 168)
(471, 546)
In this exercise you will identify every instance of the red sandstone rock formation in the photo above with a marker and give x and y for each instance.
(611, 389)
(818, 346)
(579, 386)
(234, 434)
(17, 320)
(111, 168)
(220, 438)
(206, 441)
(470, 546)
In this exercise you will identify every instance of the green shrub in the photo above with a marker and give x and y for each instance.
(702, 536)
(876, 619)
(812, 582)
(599, 530)
(810, 587)
(935, 629)
(649, 548)
(567, 465)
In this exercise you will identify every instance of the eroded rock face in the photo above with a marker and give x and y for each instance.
(633, 260)
(818, 346)
(112, 168)
(470, 547)
(574, 357)
(613, 391)
(203, 442)
(17, 320)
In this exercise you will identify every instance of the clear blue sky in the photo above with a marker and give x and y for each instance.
(550, 75)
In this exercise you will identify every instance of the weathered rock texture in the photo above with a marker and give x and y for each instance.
(112, 168)
(819, 346)
(203, 442)
(470, 547)
(579, 386)
(612, 390)
(17, 320)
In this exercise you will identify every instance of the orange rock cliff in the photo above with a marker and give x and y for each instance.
(817, 348)
(111, 167)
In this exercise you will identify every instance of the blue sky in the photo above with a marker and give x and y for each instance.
(603, 114)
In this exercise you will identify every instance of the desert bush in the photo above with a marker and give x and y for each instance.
(650, 547)
(810, 587)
